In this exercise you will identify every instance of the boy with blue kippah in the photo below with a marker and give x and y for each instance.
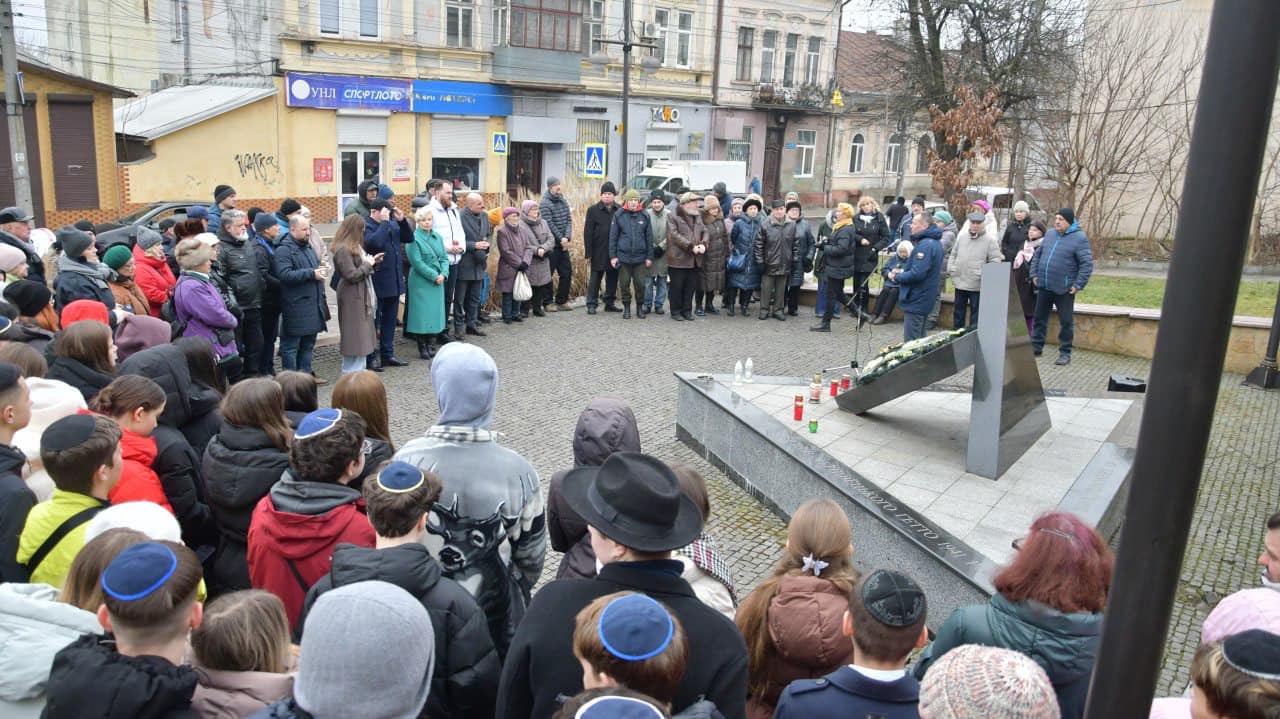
(149, 607)
(398, 499)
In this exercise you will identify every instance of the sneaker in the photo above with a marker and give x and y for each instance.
(551, 308)
(1063, 360)
(700, 313)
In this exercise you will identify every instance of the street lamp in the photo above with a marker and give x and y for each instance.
(649, 64)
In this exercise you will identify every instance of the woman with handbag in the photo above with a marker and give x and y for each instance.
(356, 298)
(837, 262)
(541, 244)
(515, 252)
(428, 271)
(744, 275)
(872, 230)
(200, 307)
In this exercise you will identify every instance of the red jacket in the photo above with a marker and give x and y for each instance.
(154, 278)
(300, 523)
(138, 481)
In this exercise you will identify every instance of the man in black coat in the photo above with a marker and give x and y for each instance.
(637, 515)
(16, 498)
(239, 269)
(473, 266)
(595, 243)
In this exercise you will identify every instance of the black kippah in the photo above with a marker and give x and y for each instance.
(68, 432)
(893, 598)
(1254, 652)
(9, 376)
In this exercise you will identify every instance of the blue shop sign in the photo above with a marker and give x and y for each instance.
(461, 98)
(332, 92)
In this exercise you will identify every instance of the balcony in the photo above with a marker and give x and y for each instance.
(537, 67)
(776, 95)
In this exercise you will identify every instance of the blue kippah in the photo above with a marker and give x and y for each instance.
(317, 423)
(635, 627)
(399, 477)
(617, 708)
(138, 571)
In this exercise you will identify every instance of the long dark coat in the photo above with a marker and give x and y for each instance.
(595, 235)
(355, 304)
(711, 267)
(301, 294)
(866, 257)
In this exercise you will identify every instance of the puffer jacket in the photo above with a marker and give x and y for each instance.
(465, 681)
(801, 253)
(154, 279)
(16, 501)
(630, 237)
(34, 626)
(876, 232)
(711, 269)
(743, 239)
(231, 695)
(239, 269)
(90, 679)
(838, 258)
(240, 467)
(1064, 645)
(805, 624)
(683, 232)
(1063, 261)
(138, 481)
(774, 246)
(555, 210)
(79, 375)
(606, 426)
(967, 257)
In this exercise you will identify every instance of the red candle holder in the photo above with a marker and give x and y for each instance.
(799, 408)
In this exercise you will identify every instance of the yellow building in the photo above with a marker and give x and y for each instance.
(70, 142)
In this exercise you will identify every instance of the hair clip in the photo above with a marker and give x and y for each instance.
(816, 565)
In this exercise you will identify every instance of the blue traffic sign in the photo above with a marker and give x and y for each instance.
(500, 143)
(593, 160)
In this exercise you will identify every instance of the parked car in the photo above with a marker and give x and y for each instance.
(152, 214)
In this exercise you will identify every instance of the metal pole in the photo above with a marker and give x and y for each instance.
(1228, 143)
(1267, 374)
(626, 89)
(13, 110)
(186, 42)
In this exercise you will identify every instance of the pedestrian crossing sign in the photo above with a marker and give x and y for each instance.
(593, 160)
(499, 143)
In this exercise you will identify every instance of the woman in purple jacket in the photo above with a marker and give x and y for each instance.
(199, 306)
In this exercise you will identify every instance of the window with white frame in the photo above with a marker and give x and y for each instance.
(369, 18)
(330, 16)
(458, 20)
(995, 162)
(806, 144)
(684, 38)
(789, 60)
(768, 46)
(922, 154)
(893, 155)
(662, 21)
(857, 149)
(740, 150)
(593, 28)
(675, 36)
(812, 58)
(746, 51)
(501, 15)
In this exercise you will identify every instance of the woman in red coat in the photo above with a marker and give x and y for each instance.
(151, 271)
(135, 403)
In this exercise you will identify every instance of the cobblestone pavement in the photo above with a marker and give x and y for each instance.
(551, 367)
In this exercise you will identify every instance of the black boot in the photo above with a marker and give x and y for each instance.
(641, 311)
(423, 351)
(611, 307)
(626, 310)
(823, 326)
(431, 347)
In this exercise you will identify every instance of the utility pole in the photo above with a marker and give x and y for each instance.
(186, 42)
(627, 46)
(13, 109)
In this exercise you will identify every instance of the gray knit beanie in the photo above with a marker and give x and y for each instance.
(977, 682)
(74, 242)
(346, 669)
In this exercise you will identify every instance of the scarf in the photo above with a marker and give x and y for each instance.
(1024, 255)
(841, 223)
(358, 259)
(704, 555)
(96, 271)
(462, 434)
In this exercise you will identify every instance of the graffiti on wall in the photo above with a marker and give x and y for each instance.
(259, 166)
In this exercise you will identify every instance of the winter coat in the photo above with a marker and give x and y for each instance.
(78, 280)
(846, 692)
(379, 451)
(539, 267)
(774, 246)
(34, 626)
(75, 373)
(743, 238)
(876, 232)
(30, 333)
(474, 263)
(16, 501)
(154, 279)
(138, 480)
(595, 234)
(197, 303)
(726, 203)
(801, 253)
(921, 282)
(707, 588)
(465, 681)
(232, 695)
(804, 620)
(606, 426)
(293, 532)
(129, 297)
(427, 261)
(896, 212)
(630, 238)
(659, 224)
(1015, 233)
(265, 251)
(240, 467)
(386, 238)
(42, 521)
(968, 256)
(555, 211)
(90, 679)
(683, 232)
(541, 664)
(515, 248)
(838, 256)
(1064, 645)
(711, 270)
(35, 266)
(1063, 261)
(238, 268)
(302, 301)
(358, 204)
(1026, 290)
(895, 262)
(356, 303)
(188, 422)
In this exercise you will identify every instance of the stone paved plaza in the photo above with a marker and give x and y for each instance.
(551, 367)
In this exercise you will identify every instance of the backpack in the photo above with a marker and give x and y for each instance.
(169, 313)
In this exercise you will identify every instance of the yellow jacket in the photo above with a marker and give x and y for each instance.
(42, 521)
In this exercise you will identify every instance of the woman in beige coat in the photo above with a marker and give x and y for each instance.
(356, 298)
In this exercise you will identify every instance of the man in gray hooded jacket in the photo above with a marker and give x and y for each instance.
(489, 527)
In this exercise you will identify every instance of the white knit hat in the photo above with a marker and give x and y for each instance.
(51, 400)
(977, 682)
(147, 517)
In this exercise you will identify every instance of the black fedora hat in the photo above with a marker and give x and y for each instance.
(636, 501)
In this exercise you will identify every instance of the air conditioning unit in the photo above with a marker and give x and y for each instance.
(650, 30)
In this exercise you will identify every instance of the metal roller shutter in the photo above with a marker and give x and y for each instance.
(362, 131)
(459, 138)
(75, 156)
(7, 191)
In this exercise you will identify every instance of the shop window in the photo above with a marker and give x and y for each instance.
(789, 60)
(369, 23)
(813, 58)
(806, 145)
(746, 43)
(458, 18)
(547, 24)
(857, 149)
(768, 48)
(740, 150)
(463, 172)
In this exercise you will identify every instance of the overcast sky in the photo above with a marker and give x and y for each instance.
(864, 15)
